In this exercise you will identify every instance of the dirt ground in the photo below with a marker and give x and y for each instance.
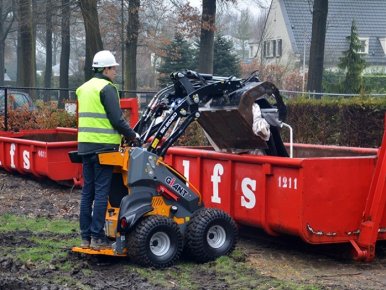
(283, 258)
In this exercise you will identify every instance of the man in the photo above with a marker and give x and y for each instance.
(100, 126)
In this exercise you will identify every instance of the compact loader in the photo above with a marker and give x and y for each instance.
(154, 213)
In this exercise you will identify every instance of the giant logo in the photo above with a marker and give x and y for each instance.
(176, 186)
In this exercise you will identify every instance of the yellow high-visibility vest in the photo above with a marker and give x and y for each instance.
(93, 124)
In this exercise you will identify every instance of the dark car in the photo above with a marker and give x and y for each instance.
(16, 100)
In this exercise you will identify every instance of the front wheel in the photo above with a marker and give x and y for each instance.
(156, 241)
(211, 233)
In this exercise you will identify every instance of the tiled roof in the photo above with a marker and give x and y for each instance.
(369, 16)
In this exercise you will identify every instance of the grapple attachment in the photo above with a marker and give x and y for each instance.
(228, 121)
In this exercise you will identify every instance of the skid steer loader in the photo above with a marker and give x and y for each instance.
(154, 213)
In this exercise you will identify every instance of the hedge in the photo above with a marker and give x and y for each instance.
(355, 121)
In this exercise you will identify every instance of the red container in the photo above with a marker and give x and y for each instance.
(320, 195)
(44, 153)
(41, 153)
(131, 104)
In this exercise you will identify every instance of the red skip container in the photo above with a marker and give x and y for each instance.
(326, 194)
(43, 153)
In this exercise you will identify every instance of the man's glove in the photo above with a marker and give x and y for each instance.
(136, 142)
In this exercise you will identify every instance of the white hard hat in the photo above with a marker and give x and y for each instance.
(104, 58)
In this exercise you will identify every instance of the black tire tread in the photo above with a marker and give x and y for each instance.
(137, 245)
(196, 234)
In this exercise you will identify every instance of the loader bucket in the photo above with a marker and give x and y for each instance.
(230, 126)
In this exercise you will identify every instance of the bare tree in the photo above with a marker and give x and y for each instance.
(159, 21)
(93, 35)
(65, 53)
(26, 45)
(131, 45)
(205, 58)
(48, 68)
(6, 21)
(319, 22)
(243, 30)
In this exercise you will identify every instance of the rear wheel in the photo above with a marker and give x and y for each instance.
(156, 241)
(211, 233)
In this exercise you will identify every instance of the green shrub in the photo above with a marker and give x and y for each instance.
(372, 83)
(43, 118)
(355, 121)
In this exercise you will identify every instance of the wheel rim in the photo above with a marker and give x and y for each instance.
(216, 236)
(159, 244)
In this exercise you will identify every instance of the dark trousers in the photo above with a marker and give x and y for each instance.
(95, 192)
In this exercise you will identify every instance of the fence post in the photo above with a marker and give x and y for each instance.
(5, 109)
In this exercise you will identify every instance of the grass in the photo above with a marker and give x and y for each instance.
(47, 242)
(9, 223)
(46, 247)
(46, 250)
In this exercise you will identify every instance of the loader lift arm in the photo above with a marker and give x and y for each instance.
(187, 108)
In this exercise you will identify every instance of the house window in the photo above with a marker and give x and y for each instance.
(272, 48)
(364, 49)
(278, 47)
(268, 52)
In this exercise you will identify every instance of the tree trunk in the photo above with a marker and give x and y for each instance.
(208, 21)
(34, 18)
(26, 56)
(65, 53)
(48, 69)
(131, 46)
(2, 45)
(7, 10)
(93, 35)
(315, 69)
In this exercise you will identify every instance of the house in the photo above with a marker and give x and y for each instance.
(287, 36)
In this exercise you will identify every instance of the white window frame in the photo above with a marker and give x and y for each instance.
(268, 49)
(273, 48)
(382, 40)
(364, 48)
(279, 47)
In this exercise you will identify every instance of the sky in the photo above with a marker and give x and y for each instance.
(241, 4)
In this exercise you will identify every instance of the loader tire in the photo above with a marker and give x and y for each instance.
(156, 241)
(211, 233)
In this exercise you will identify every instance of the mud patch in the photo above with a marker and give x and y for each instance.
(72, 271)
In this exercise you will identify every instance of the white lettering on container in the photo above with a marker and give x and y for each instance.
(248, 199)
(186, 165)
(287, 182)
(218, 170)
(42, 154)
(26, 161)
(12, 154)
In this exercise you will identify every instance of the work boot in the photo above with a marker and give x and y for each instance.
(85, 244)
(99, 244)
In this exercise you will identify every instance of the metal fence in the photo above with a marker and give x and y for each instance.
(28, 97)
(51, 97)
(314, 95)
